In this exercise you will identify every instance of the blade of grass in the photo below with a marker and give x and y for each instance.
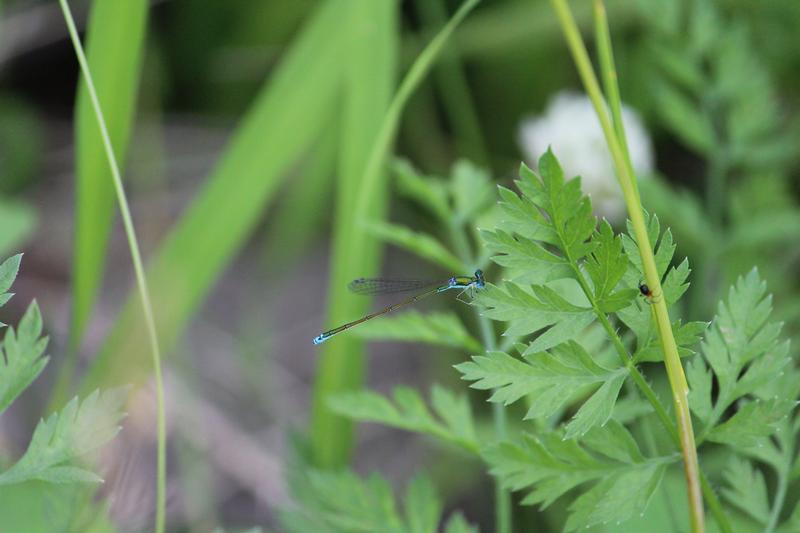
(677, 379)
(285, 119)
(141, 281)
(371, 51)
(341, 366)
(114, 43)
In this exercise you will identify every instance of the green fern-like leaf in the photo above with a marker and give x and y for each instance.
(423, 507)
(343, 502)
(608, 457)
(63, 438)
(530, 312)
(431, 193)
(450, 421)
(606, 267)
(8, 273)
(441, 329)
(21, 356)
(550, 380)
(421, 244)
(746, 489)
(744, 353)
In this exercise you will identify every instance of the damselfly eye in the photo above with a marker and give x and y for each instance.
(645, 290)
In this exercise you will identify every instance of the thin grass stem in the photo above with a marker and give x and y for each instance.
(141, 281)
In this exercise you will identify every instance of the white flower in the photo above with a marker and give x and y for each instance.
(570, 127)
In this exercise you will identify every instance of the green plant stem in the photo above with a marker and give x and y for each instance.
(677, 379)
(141, 281)
(460, 240)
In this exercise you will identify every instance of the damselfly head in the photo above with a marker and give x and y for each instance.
(479, 281)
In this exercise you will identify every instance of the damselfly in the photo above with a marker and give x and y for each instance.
(380, 285)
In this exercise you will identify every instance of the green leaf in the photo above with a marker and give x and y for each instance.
(699, 377)
(341, 501)
(686, 336)
(429, 192)
(451, 420)
(518, 252)
(527, 313)
(757, 419)
(675, 285)
(598, 408)
(614, 441)
(569, 212)
(551, 466)
(521, 216)
(421, 244)
(423, 507)
(8, 273)
(350, 504)
(746, 489)
(607, 264)
(62, 439)
(442, 329)
(550, 380)
(616, 498)
(21, 356)
(743, 350)
(664, 248)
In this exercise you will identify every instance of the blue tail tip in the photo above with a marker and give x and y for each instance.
(319, 339)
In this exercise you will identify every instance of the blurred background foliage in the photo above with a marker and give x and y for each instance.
(245, 129)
